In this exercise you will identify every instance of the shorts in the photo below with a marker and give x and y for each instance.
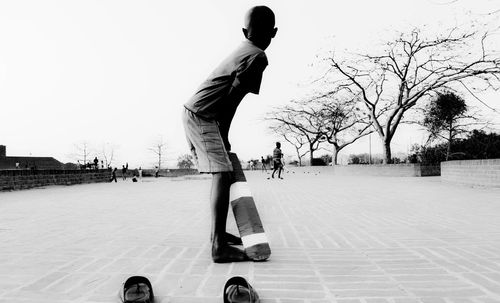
(277, 164)
(206, 143)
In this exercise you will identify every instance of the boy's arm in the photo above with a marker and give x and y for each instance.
(236, 94)
(246, 81)
(250, 78)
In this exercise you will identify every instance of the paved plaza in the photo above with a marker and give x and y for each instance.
(333, 239)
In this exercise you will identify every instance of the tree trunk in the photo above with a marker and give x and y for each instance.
(335, 155)
(387, 152)
(448, 149)
(311, 156)
(298, 156)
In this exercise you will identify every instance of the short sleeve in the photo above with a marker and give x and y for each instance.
(250, 77)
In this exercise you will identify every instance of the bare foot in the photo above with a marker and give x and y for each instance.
(227, 254)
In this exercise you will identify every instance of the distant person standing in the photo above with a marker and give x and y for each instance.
(157, 171)
(263, 161)
(124, 173)
(96, 163)
(113, 175)
(140, 173)
(277, 160)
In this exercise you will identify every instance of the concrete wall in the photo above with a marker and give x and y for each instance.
(389, 170)
(24, 179)
(176, 172)
(472, 172)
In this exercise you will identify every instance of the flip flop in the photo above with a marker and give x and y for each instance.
(237, 290)
(137, 289)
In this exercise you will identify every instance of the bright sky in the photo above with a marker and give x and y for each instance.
(117, 72)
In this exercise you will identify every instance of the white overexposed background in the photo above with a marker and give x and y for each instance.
(116, 73)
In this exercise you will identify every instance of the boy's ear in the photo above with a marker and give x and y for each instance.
(275, 30)
(245, 32)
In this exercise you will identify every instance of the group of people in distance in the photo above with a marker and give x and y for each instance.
(137, 175)
(276, 162)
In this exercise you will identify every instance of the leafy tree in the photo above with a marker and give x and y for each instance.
(445, 118)
(185, 161)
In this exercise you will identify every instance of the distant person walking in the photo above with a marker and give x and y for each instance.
(277, 160)
(157, 171)
(113, 175)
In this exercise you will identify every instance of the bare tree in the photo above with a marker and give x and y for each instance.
(158, 149)
(108, 153)
(302, 120)
(83, 151)
(333, 118)
(292, 136)
(344, 122)
(411, 69)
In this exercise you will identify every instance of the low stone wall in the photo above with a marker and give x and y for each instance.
(388, 170)
(24, 179)
(472, 172)
(176, 172)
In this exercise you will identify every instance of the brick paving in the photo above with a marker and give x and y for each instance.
(334, 239)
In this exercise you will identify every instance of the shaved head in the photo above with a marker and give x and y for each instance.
(259, 18)
(259, 26)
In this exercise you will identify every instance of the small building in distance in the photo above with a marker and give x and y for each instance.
(18, 162)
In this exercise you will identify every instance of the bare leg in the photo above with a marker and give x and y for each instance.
(219, 199)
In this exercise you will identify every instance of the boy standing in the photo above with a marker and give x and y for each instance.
(208, 115)
(277, 160)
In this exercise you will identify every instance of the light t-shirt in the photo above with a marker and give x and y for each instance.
(242, 69)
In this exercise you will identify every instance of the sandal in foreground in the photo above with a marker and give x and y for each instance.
(137, 289)
(237, 290)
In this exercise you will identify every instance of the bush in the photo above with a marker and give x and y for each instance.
(326, 158)
(318, 162)
(364, 159)
(478, 145)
